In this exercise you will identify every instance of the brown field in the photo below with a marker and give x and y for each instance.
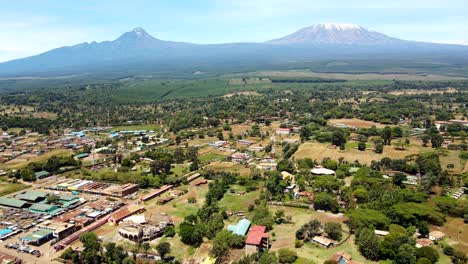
(318, 151)
(25, 159)
(456, 231)
(241, 93)
(359, 123)
(413, 92)
(354, 76)
(229, 167)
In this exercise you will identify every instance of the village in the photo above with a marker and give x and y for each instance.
(45, 212)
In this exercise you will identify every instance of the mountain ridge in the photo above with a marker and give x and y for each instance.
(137, 50)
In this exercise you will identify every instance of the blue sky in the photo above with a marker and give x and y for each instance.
(29, 27)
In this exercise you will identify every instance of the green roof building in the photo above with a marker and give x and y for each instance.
(82, 156)
(39, 237)
(241, 228)
(15, 203)
(41, 174)
(44, 208)
(32, 196)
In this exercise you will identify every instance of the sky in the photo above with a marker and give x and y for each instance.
(30, 27)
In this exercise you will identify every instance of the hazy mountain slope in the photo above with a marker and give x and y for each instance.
(137, 52)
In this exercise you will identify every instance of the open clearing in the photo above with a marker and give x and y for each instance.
(354, 122)
(319, 151)
(355, 76)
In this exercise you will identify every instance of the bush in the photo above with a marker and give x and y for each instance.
(298, 243)
(169, 231)
(448, 250)
(287, 255)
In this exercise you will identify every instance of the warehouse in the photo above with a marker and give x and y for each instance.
(32, 196)
(44, 208)
(15, 203)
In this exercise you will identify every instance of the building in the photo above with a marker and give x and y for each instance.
(156, 193)
(125, 212)
(436, 235)
(257, 240)
(39, 237)
(10, 202)
(324, 241)
(32, 196)
(244, 142)
(283, 131)
(7, 259)
(241, 228)
(319, 170)
(381, 233)
(341, 257)
(43, 208)
(239, 157)
(423, 242)
(42, 174)
(199, 182)
(82, 156)
(59, 230)
(138, 228)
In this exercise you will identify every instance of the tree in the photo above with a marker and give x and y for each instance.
(309, 230)
(387, 135)
(146, 246)
(325, 201)
(406, 255)
(362, 146)
(285, 165)
(169, 231)
(163, 249)
(425, 139)
(429, 253)
(333, 230)
(338, 138)
(399, 178)
(286, 256)
(368, 244)
(437, 140)
(267, 258)
(423, 228)
(379, 147)
(179, 155)
(52, 199)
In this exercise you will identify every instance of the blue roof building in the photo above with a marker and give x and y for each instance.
(241, 228)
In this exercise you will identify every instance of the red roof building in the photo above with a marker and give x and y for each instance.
(257, 239)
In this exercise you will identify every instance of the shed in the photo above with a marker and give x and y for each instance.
(82, 156)
(32, 196)
(44, 208)
(241, 228)
(9, 202)
(41, 174)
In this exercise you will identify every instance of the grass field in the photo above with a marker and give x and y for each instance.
(25, 159)
(355, 123)
(9, 187)
(318, 151)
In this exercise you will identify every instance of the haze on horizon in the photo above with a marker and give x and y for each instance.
(31, 27)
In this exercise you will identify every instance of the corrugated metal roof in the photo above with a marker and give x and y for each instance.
(43, 207)
(31, 195)
(241, 228)
(12, 202)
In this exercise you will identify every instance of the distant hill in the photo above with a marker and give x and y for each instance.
(317, 47)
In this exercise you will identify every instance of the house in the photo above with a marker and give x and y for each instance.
(381, 233)
(239, 157)
(436, 235)
(319, 170)
(324, 241)
(165, 200)
(241, 228)
(287, 176)
(7, 259)
(41, 174)
(199, 182)
(306, 194)
(38, 238)
(158, 192)
(283, 131)
(341, 258)
(59, 230)
(245, 142)
(423, 242)
(257, 240)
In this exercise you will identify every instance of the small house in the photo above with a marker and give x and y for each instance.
(257, 240)
(241, 228)
(436, 235)
(324, 241)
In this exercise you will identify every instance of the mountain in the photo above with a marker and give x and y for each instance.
(336, 34)
(322, 47)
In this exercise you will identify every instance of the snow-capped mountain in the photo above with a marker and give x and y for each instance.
(336, 34)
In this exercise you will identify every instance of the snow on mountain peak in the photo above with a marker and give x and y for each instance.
(333, 26)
